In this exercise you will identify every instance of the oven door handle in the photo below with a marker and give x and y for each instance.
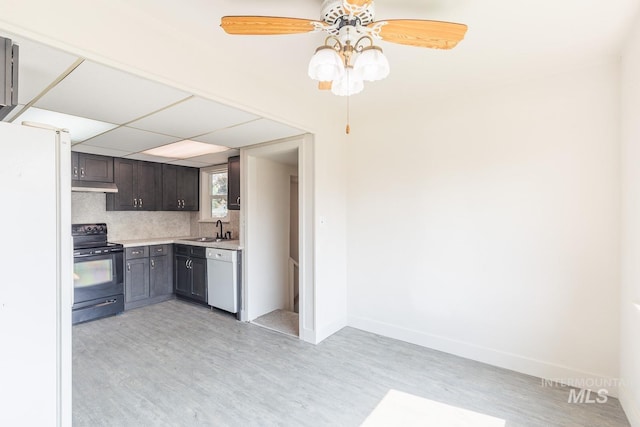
(106, 252)
(75, 256)
(107, 302)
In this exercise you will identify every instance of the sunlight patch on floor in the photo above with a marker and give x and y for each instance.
(398, 408)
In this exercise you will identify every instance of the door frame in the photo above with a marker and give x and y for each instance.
(306, 239)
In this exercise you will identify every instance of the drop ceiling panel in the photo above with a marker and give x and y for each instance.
(39, 65)
(82, 148)
(262, 130)
(193, 117)
(130, 140)
(215, 158)
(79, 128)
(149, 158)
(102, 93)
(190, 163)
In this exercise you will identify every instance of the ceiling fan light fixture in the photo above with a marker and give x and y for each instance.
(326, 65)
(348, 85)
(371, 64)
(349, 57)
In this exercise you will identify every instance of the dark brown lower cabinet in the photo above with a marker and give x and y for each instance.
(191, 273)
(148, 275)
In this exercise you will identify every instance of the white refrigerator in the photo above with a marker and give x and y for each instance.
(36, 287)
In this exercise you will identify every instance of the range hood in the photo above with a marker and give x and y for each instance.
(93, 187)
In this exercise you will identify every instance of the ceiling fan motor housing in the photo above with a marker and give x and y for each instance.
(335, 14)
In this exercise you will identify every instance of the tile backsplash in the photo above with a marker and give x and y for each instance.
(131, 225)
(210, 229)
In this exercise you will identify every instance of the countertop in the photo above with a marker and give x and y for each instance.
(225, 244)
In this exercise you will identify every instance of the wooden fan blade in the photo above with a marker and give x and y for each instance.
(421, 33)
(359, 3)
(266, 25)
(325, 85)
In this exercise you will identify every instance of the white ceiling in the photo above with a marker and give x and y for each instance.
(506, 41)
(114, 113)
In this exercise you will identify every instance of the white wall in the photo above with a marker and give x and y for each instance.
(630, 301)
(268, 230)
(487, 225)
(179, 51)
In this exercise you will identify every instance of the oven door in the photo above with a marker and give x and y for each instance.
(97, 276)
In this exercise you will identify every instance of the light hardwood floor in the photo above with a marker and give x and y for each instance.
(178, 364)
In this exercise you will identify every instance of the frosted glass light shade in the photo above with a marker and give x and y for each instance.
(371, 64)
(326, 65)
(349, 84)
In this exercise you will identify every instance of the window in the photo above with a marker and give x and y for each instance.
(214, 193)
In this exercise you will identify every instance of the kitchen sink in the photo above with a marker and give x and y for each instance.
(204, 239)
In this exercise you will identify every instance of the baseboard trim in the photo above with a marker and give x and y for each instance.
(330, 329)
(308, 335)
(629, 405)
(514, 362)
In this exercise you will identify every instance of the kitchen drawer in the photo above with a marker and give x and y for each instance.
(181, 250)
(157, 250)
(198, 251)
(137, 252)
(191, 251)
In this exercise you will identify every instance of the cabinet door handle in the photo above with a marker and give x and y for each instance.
(238, 200)
(186, 263)
(135, 203)
(178, 203)
(128, 267)
(140, 202)
(153, 263)
(136, 252)
(81, 171)
(75, 171)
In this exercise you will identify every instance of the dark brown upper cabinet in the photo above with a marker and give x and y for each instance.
(233, 176)
(139, 186)
(91, 167)
(180, 188)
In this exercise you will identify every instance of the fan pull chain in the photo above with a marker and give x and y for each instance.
(348, 129)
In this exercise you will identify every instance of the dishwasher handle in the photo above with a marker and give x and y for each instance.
(225, 255)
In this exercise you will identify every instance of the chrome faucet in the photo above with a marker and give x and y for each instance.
(220, 234)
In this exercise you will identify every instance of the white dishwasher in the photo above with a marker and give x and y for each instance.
(222, 279)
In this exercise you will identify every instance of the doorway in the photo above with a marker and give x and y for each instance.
(278, 236)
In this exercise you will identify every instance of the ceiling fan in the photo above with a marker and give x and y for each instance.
(349, 56)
